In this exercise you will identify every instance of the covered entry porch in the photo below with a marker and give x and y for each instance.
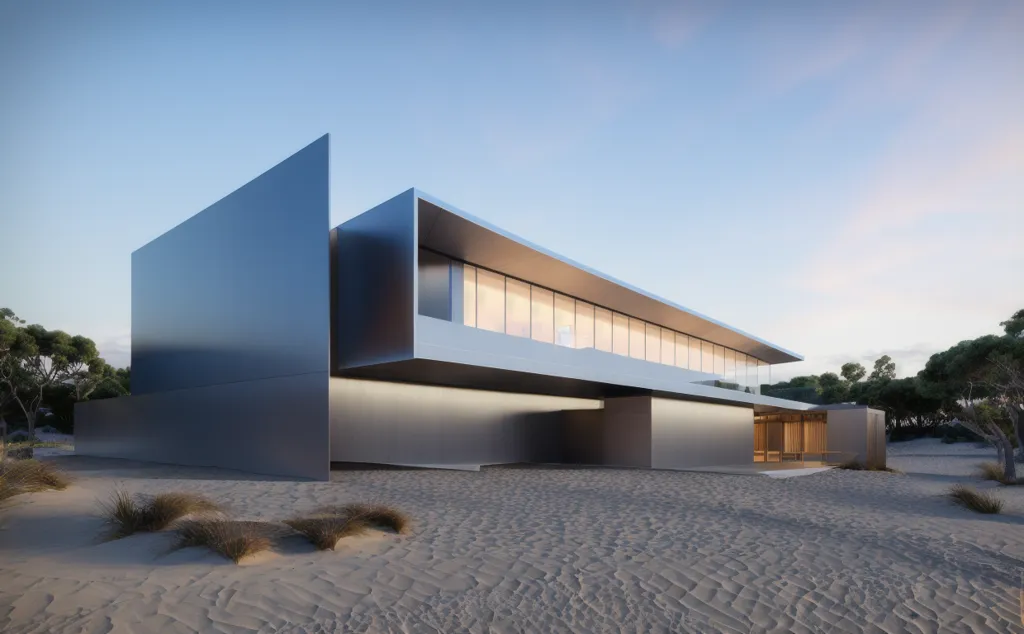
(793, 437)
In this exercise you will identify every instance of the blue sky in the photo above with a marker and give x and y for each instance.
(845, 181)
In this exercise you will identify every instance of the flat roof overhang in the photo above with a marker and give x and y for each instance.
(448, 230)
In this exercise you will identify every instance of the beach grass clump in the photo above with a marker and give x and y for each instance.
(28, 476)
(126, 514)
(994, 471)
(976, 501)
(378, 515)
(854, 465)
(234, 540)
(324, 530)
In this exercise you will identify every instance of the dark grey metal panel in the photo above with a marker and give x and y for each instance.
(685, 434)
(239, 291)
(435, 285)
(376, 284)
(276, 426)
(404, 424)
(451, 231)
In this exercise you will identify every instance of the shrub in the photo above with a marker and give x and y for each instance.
(976, 501)
(27, 476)
(127, 515)
(991, 471)
(230, 539)
(325, 529)
(379, 515)
(854, 465)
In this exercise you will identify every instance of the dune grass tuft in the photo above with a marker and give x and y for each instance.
(379, 515)
(854, 465)
(324, 530)
(233, 540)
(126, 514)
(994, 471)
(28, 476)
(974, 500)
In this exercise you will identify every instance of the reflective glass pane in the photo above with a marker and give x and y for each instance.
(707, 357)
(730, 365)
(653, 337)
(763, 375)
(668, 347)
(565, 321)
(517, 308)
(682, 351)
(741, 369)
(719, 352)
(584, 325)
(602, 329)
(637, 336)
(490, 301)
(695, 355)
(543, 315)
(620, 334)
(469, 296)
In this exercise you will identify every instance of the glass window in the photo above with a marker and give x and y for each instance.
(730, 365)
(602, 329)
(741, 369)
(695, 354)
(682, 351)
(490, 301)
(517, 308)
(584, 325)
(469, 295)
(565, 321)
(653, 338)
(719, 360)
(637, 330)
(668, 347)
(620, 334)
(707, 357)
(542, 315)
(764, 376)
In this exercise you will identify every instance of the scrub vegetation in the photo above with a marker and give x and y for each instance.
(126, 514)
(976, 501)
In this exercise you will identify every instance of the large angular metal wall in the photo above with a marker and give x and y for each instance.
(230, 334)
(686, 434)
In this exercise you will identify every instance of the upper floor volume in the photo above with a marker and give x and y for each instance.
(426, 292)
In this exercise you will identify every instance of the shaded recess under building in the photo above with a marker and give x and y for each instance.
(416, 334)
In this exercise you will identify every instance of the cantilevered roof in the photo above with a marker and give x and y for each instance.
(451, 231)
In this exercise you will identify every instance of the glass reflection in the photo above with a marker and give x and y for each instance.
(565, 321)
(620, 334)
(542, 315)
(517, 308)
(490, 301)
(602, 329)
(584, 325)
(469, 296)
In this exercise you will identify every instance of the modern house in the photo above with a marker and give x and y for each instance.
(416, 334)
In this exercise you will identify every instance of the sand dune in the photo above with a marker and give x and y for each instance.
(532, 549)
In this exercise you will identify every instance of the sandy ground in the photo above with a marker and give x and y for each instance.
(536, 549)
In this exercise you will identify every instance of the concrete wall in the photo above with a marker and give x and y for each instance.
(376, 284)
(230, 334)
(627, 431)
(687, 434)
(408, 424)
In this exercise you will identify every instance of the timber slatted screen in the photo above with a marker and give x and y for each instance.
(760, 437)
(793, 442)
(815, 437)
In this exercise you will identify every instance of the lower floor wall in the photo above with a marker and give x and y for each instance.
(407, 424)
(687, 434)
(275, 426)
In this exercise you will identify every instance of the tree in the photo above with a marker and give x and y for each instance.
(13, 346)
(982, 419)
(1014, 326)
(832, 388)
(853, 372)
(884, 369)
(41, 359)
